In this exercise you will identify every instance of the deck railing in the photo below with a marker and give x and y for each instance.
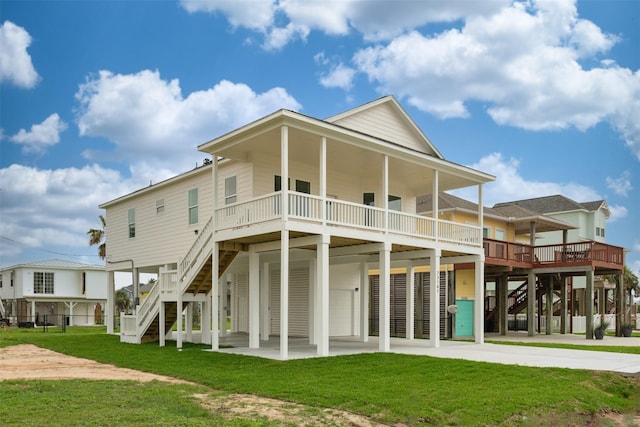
(583, 253)
(306, 207)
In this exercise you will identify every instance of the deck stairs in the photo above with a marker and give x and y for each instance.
(194, 276)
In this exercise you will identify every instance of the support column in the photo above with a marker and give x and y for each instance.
(265, 319)
(588, 305)
(205, 322)
(563, 304)
(434, 298)
(162, 332)
(284, 294)
(33, 311)
(222, 297)
(531, 304)
(254, 298)
(215, 341)
(503, 283)
(179, 318)
(109, 309)
(385, 297)
(478, 309)
(549, 311)
(364, 302)
(189, 321)
(411, 303)
(322, 295)
(136, 289)
(620, 304)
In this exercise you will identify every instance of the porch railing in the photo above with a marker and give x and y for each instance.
(568, 253)
(342, 213)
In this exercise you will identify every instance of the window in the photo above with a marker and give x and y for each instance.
(230, 193)
(0, 280)
(159, 206)
(486, 232)
(42, 283)
(277, 185)
(132, 223)
(193, 206)
(395, 203)
(499, 234)
(303, 187)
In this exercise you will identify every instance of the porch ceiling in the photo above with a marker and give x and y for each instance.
(351, 159)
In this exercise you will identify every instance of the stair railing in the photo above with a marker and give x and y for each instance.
(147, 311)
(190, 265)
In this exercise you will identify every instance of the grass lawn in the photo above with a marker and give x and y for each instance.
(386, 387)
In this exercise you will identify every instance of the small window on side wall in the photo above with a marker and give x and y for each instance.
(193, 206)
(230, 192)
(132, 223)
(159, 206)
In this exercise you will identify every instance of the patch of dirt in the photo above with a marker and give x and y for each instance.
(29, 362)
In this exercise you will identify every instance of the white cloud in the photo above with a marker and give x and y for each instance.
(339, 76)
(511, 185)
(283, 21)
(522, 62)
(617, 212)
(161, 128)
(54, 208)
(41, 135)
(15, 62)
(621, 185)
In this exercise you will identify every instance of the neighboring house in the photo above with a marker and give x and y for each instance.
(143, 291)
(54, 292)
(301, 210)
(527, 242)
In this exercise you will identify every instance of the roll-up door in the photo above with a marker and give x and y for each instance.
(298, 302)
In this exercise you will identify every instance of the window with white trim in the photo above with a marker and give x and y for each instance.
(499, 234)
(159, 206)
(43, 282)
(230, 192)
(193, 206)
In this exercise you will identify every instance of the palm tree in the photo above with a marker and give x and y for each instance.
(631, 285)
(122, 300)
(96, 237)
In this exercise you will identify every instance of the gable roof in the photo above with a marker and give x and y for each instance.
(385, 118)
(520, 217)
(556, 204)
(58, 264)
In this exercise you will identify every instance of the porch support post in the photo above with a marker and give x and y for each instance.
(364, 302)
(563, 304)
(480, 210)
(205, 322)
(284, 245)
(385, 191)
(215, 341)
(109, 309)
(322, 295)
(162, 331)
(434, 200)
(265, 322)
(179, 318)
(531, 304)
(589, 305)
(385, 297)
(254, 298)
(136, 289)
(189, 321)
(434, 298)
(478, 309)
(33, 311)
(549, 310)
(410, 298)
(222, 313)
(284, 294)
(323, 179)
(503, 283)
(620, 304)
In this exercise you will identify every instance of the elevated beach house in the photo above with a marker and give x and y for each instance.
(279, 228)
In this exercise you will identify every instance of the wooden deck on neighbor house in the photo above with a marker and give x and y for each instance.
(597, 256)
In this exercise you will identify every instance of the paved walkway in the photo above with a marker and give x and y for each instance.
(487, 352)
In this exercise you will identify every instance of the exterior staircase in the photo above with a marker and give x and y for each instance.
(194, 276)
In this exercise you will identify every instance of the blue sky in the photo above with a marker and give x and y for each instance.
(99, 98)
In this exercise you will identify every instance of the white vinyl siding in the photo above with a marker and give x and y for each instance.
(385, 123)
(160, 239)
